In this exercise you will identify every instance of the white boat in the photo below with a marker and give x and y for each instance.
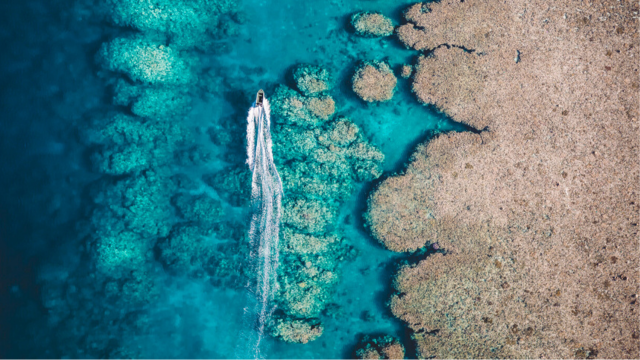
(259, 97)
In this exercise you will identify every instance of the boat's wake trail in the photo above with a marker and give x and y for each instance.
(266, 198)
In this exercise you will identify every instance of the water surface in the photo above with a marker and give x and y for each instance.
(49, 86)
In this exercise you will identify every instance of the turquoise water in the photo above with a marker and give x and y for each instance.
(191, 318)
(280, 34)
(276, 36)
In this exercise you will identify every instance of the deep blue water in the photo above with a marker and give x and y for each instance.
(49, 87)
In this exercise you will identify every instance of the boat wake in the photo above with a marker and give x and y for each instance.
(266, 199)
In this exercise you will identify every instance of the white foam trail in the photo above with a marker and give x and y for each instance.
(266, 200)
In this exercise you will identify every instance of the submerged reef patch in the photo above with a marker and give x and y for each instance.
(406, 71)
(186, 23)
(152, 101)
(296, 330)
(295, 109)
(142, 214)
(312, 79)
(148, 60)
(374, 81)
(139, 203)
(124, 144)
(319, 158)
(381, 347)
(371, 24)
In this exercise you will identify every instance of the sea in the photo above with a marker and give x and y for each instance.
(52, 85)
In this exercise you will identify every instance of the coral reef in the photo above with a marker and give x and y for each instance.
(142, 212)
(321, 107)
(187, 23)
(152, 102)
(231, 184)
(125, 144)
(147, 60)
(538, 212)
(184, 248)
(319, 158)
(325, 181)
(296, 330)
(127, 217)
(117, 255)
(293, 108)
(312, 216)
(482, 318)
(138, 203)
(371, 24)
(405, 71)
(382, 347)
(303, 244)
(312, 79)
(374, 81)
(199, 209)
(304, 286)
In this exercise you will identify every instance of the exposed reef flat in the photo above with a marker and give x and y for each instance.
(538, 211)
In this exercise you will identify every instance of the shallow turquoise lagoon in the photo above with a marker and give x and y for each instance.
(192, 318)
(276, 36)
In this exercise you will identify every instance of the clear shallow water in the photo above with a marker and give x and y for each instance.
(280, 34)
(192, 318)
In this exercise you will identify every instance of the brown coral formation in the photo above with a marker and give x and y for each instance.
(383, 347)
(374, 81)
(405, 71)
(371, 24)
(464, 305)
(322, 107)
(539, 212)
(312, 79)
(296, 330)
